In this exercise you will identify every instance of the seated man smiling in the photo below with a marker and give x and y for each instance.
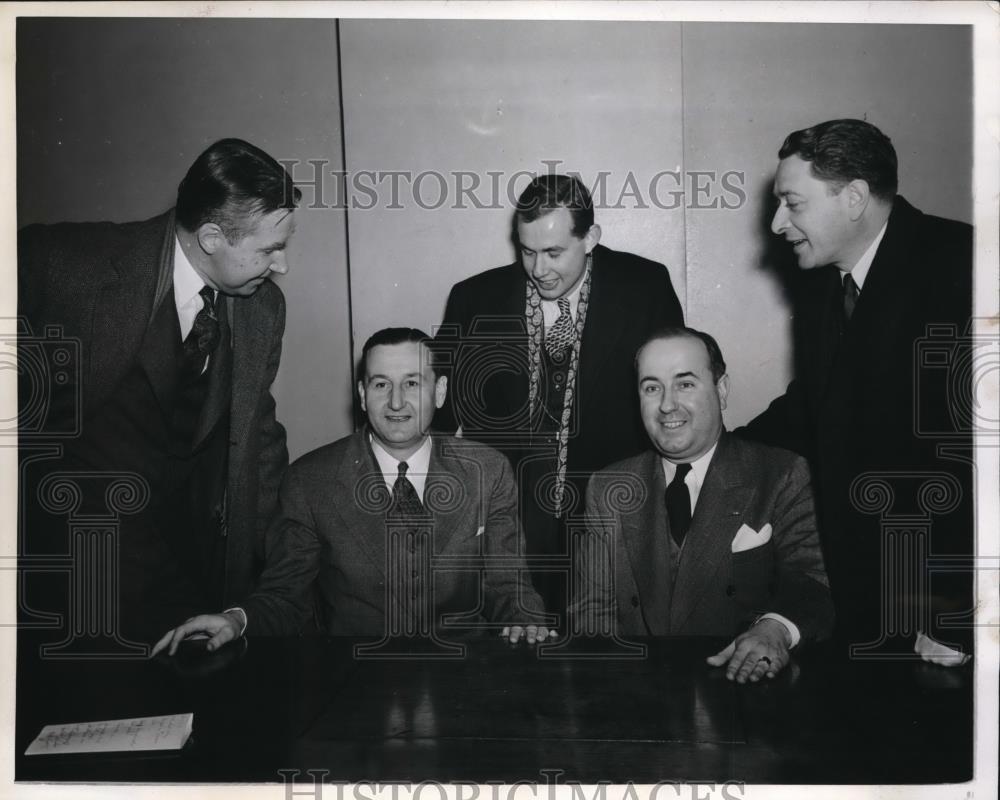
(362, 519)
(712, 535)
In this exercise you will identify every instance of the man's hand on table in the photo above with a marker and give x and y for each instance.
(762, 650)
(531, 633)
(221, 628)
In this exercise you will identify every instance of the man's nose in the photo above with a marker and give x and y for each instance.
(540, 266)
(396, 398)
(668, 401)
(780, 220)
(279, 263)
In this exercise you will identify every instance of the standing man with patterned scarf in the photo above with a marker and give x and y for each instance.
(542, 352)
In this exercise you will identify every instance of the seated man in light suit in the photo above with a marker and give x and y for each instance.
(361, 518)
(715, 536)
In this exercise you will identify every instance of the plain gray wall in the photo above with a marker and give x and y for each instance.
(111, 113)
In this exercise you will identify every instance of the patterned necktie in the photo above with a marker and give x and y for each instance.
(204, 335)
(405, 502)
(851, 293)
(678, 501)
(561, 333)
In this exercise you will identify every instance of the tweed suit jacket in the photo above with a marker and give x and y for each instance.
(99, 282)
(332, 545)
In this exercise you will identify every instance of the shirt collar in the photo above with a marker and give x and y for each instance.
(860, 270)
(187, 282)
(417, 464)
(550, 308)
(699, 467)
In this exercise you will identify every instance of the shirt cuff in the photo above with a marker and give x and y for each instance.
(793, 629)
(930, 650)
(242, 615)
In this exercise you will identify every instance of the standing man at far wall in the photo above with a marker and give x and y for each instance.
(542, 360)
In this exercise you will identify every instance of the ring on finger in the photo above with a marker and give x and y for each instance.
(765, 659)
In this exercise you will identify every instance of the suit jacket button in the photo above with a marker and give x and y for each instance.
(730, 590)
(635, 601)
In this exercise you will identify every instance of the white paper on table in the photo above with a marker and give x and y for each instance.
(114, 735)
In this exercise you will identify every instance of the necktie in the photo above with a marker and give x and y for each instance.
(678, 502)
(204, 335)
(851, 293)
(561, 334)
(405, 502)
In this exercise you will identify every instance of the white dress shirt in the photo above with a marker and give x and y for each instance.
(187, 284)
(860, 270)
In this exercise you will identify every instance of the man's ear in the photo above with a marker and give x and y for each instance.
(210, 237)
(440, 391)
(361, 394)
(722, 387)
(857, 195)
(592, 237)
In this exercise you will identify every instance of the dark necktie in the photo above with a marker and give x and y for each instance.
(851, 293)
(204, 335)
(678, 501)
(561, 334)
(405, 502)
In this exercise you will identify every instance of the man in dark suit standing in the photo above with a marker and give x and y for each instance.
(393, 530)
(179, 331)
(542, 360)
(888, 440)
(706, 535)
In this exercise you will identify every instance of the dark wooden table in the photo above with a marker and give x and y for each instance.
(491, 712)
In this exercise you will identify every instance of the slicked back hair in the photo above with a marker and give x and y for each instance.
(546, 193)
(842, 150)
(389, 336)
(715, 360)
(231, 184)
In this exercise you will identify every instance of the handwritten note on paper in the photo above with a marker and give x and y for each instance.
(113, 736)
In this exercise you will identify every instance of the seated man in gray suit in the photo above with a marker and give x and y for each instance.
(707, 535)
(362, 518)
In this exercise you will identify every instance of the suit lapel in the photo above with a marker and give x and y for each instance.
(884, 298)
(251, 347)
(605, 323)
(644, 534)
(827, 342)
(708, 544)
(447, 478)
(363, 499)
(515, 385)
(123, 309)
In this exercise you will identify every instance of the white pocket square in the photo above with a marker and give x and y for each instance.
(480, 529)
(747, 538)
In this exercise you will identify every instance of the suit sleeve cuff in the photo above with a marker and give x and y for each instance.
(239, 612)
(793, 629)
